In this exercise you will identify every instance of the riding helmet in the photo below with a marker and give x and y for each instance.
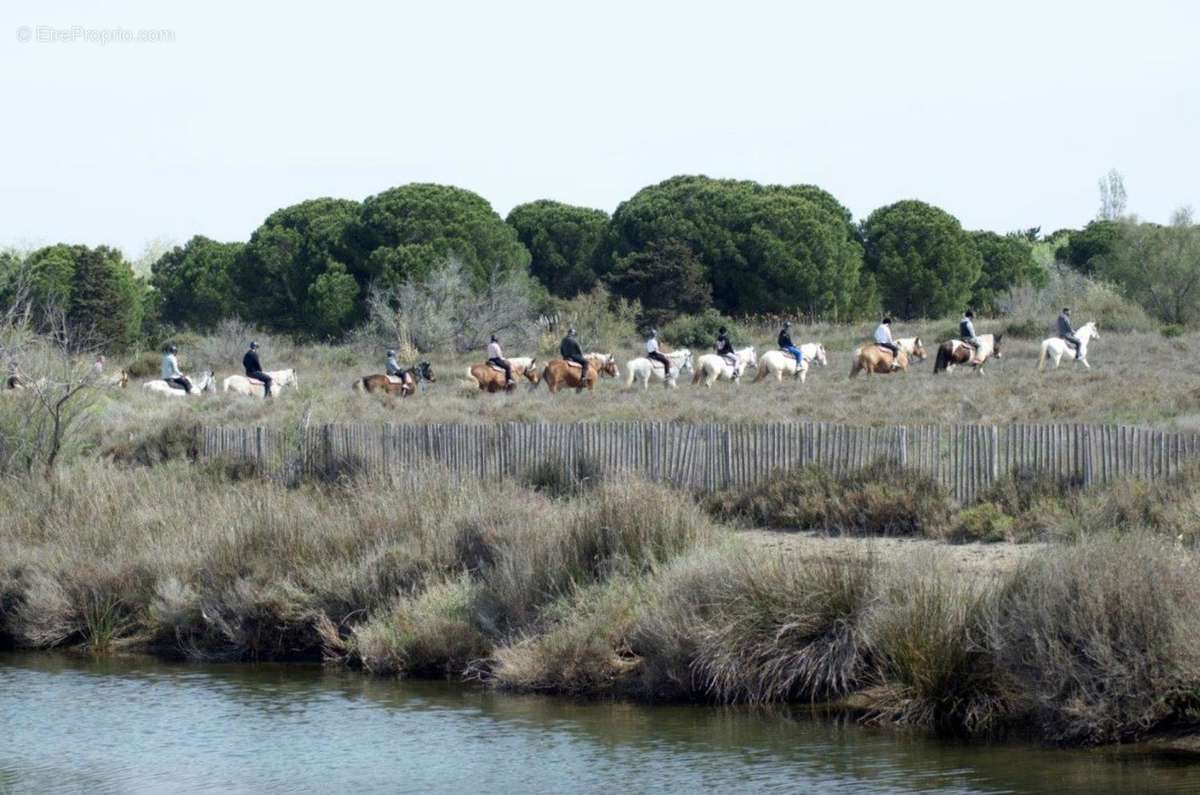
(1066, 310)
(172, 349)
(253, 346)
(887, 321)
(653, 332)
(721, 330)
(787, 324)
(391, 353)
(968, 313)
(571, 332)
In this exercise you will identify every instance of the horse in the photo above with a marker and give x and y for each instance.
(643, 369)
(403, 385)
(207, 383)
(876, 359)
(490, 378)
(559, 372)
(711, 367)
(781, 363)
(245, 386)
(952, 353)
(1057, 346)
(118, 381)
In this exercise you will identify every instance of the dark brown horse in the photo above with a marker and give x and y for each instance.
(405, 387)
(560, 373)
(491, 379)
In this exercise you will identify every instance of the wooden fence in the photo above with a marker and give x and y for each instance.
(966, 459)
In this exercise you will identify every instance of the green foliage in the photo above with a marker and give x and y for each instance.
(568, 245)
(764, 248)
(1027, 329)
(405, 232)
(700, 331)
(195, 284)
(1157, 266)
(286, 258)
(1007, 262)
(983, 522)
(603, 322)
(1082, 248)
(666, 278)
(925, 264)
(1172, 331)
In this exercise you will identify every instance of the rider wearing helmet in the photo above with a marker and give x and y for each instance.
(393, 366)
(724, 347)
(883, 338)
(254, 368)
(496, 358)
(653, 353)
(171, 372)
(571, 352)
(785, 344)
(1067, 331)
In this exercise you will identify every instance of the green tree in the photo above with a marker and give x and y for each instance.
(195, 282)
(763, 248)
(1084, 247)
(406, 232)
(1159, 267)
(923, 261)
(1007, 262)
(106, 297)
(568, 245)
(276, 274)
(666, 278)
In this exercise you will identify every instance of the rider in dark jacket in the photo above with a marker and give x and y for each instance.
(1067, 331)
(724, 346)
(254, 368)
(570, 351)
(785, 343)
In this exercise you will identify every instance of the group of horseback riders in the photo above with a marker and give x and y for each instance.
(250, 363)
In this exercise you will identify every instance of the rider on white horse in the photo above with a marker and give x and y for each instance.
(654, 354)
(883, 338)
(171, 372)
(785, 344)
(724, 347)
(254, 370)
(495, 357)
(1067, 332)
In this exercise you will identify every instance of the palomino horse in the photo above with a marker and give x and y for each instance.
(874, 359)
(207, 383)
(952, 353)
(711, 367)
(560, 373)
(490, 378)
(1056, 346)
(643, 369)
(781, 363)
(246, 386)
(403, 385)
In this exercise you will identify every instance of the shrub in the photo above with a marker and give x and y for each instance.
(699, 331)
(983, 522)
(558, 478)
(1028, 329)
(1172, 331)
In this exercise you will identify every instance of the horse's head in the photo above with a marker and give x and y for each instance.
(820, 358)
(426, 372)
(687, 361)
(918, 351)
(532, 373)
(210, 382)
(1090, 329)
(609, 367)
(751, 358)
(996, 346)
(123, 380)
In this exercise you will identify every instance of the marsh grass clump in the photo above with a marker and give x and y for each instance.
(879, 500)
(559, 478)
(1100, 642)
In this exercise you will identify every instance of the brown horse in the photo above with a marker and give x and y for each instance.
(405, 387)
(952, 353)
(875, 359)
(490, 379)
(560, 373)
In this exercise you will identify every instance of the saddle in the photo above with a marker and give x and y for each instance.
(174, 385)
(497, 368)
(395, 379)
(575, 364)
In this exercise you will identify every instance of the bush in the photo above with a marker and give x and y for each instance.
(699, 331)
(1172, 331)
(1026, 329)
(984, 522)
(557, 478)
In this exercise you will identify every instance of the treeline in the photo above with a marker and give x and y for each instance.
(688, 245)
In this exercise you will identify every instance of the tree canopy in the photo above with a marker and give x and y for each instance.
(568, 245)
(1084, 247)
(1157, 266)
(763, 248)
(923, 261)
(666, 279)
(1007, 262)
(195, 282)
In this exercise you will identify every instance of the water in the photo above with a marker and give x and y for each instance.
(80, 725)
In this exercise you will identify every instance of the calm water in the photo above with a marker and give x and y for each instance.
(76, 725)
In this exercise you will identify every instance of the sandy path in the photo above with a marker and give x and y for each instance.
(967, 558)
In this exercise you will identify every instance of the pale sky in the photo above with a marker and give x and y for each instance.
(1004, 115)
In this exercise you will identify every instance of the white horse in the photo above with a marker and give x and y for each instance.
(643, 369)
(207, 383)
(244, 386)
(711, 367)
(781, 363)
(1056, 346)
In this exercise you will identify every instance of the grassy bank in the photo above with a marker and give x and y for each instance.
(622, 589)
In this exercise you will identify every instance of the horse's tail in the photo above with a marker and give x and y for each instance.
(359, 385)
(760, 374)
(856, 365)
(943, 359)
(1042, 358)
(472, 379)
(629, 375)
(697, 373)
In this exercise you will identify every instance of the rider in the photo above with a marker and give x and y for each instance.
(496, 357)
(1067, 331)
(966, 332)
(571, 352)
(653, 353)
(171, 372)
(724, 347)
(883, 338)
(785, 344)
(254, 368)
(393, 367)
